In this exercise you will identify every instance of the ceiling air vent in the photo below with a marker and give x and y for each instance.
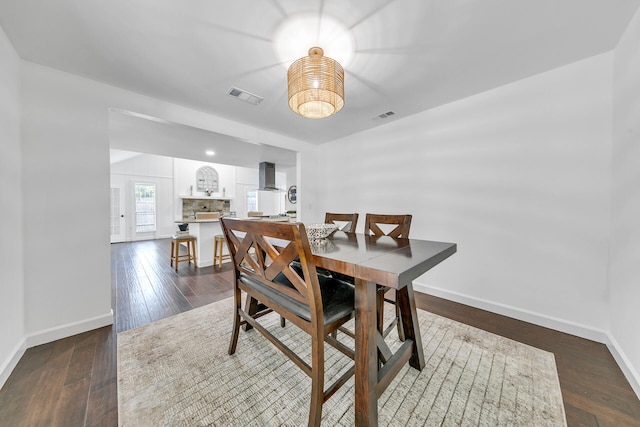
(245, 96)
(385, 115)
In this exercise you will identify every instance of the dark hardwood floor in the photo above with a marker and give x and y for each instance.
(72, 382)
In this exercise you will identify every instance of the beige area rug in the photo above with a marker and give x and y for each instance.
(176, 372)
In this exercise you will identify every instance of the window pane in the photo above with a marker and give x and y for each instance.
(252, 201)
(115, 211)
(145, 207)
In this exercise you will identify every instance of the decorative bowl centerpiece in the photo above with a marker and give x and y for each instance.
(319, 231)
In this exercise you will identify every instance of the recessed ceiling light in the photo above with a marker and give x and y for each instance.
(210, 152)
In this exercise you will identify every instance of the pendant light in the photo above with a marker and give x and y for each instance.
(316, 85)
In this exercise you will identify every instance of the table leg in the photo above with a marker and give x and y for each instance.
(366, 359)
(406, 302)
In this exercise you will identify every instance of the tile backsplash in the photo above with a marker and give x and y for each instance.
(191, 206)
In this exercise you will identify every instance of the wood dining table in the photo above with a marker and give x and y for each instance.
(390, 262)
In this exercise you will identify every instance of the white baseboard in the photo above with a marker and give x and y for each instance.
(64, 331)
(209, 262)
(625, 364)
(550, 322)
(554, 323)
(205, 263)
(10, 363)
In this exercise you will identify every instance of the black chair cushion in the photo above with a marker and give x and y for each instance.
(321, 271)
(337, 297)
(350, 281)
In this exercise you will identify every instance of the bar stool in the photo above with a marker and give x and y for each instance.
(218, 242)
(191, 250)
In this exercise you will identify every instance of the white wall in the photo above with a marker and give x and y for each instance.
(65, 137)
(12, 343)
(147, 169)
(518, 177)
(624, 284)
(66, 181)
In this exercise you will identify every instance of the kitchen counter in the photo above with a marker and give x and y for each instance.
(191, 221)
(273, 219)
(212, 197)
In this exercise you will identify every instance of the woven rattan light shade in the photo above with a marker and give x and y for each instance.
(316, 85)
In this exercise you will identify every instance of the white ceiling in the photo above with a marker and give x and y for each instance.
(410, 55)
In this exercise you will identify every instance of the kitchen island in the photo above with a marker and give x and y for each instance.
(205, 230)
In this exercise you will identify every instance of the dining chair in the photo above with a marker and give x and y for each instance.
(262, 255)
(350, 220)
(372, 223)
(400, 227)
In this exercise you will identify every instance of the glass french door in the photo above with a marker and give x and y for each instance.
(117, 217)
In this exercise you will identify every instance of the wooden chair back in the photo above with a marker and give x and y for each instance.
(372, 224)
(263, 251)
(351, 220)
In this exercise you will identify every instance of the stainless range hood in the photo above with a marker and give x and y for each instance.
(267, 177)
